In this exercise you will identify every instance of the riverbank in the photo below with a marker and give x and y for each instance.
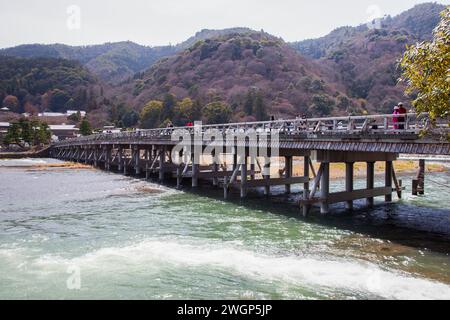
(42, 153)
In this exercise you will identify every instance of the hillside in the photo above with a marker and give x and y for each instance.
(235, 68)
(112, 62)
(46, 84)
(366, 59)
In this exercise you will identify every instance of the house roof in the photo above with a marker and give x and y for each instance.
(63, 127)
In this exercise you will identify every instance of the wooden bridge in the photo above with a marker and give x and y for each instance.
(225, 155)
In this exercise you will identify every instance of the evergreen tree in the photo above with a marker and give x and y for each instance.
(248, 105)
(260, 108)
(169, 103)
(85, 128)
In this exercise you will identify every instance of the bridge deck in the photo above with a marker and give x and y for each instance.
(353, 134)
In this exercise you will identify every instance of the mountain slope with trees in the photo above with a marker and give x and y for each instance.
(366, 59)
(112, 62)
(254, 74)
(46, 84)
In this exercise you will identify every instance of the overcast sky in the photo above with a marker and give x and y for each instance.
(159, 22)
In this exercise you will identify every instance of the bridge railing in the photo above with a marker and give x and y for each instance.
(406, 124)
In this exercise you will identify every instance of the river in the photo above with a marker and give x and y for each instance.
(88, 234)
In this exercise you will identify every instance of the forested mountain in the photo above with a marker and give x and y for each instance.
(238, 68)
(365, 59)
(46, 84)
(112, 62)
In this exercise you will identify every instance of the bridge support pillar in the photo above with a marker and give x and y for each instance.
(419, 182)
(388, 180)
(195, 167)
(162, 158)
(325, 188)
(349, 170)
(305, 207)
(96, 156)
(215, 173)
(179, 176)
(147, 159)
(137, 160)
(266, 174)
(370, 181)
(288, 172)
(252, 168)
(244, 177)
(215, 168)
(120, 158)
(108, 158)
(86, 155)
(225, 187)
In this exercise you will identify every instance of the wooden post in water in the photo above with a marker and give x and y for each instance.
(147, 159)
(266, 173)
(244, 177)
(137, 158)
(421, 177)
(305, 207)
(95, 156)
(162, 158)
(288, 172)
(225, 187)
(108, 158)
(215, 169)
(195, 170)
(306, 173)
(125, 164)
(179, 176)
(349, 170)
(325, 188)
(120, 160)
(388, 180)
(370, 181)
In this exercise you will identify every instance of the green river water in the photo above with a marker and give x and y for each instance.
(126, 238)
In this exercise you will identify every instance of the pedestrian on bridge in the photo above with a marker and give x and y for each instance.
(402, 119)
(395, 118)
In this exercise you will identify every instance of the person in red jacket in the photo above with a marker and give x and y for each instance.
(402, 119)
(395, 117)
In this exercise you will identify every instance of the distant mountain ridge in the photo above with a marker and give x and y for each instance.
(417, 22)
(113, 62)
(366, 60)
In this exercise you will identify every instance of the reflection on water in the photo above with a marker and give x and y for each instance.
(134, 239)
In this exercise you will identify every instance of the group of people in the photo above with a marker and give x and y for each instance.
(170, 124)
